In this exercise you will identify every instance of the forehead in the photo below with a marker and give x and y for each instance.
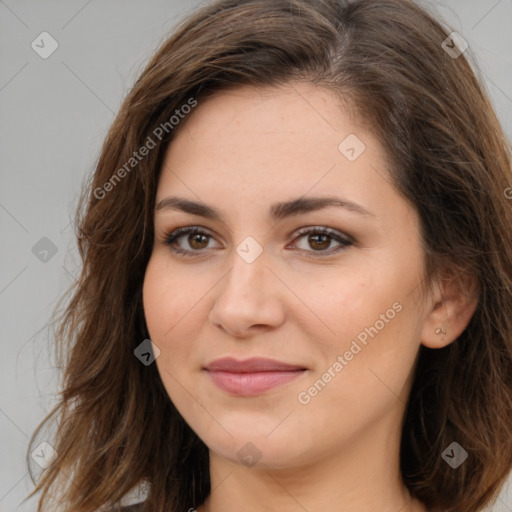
(285, 110)
(291, 133)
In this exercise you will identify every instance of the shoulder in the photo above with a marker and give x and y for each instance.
(137, 507)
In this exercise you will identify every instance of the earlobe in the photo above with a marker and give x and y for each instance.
(451, 311)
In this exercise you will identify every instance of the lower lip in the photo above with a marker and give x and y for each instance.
(250, 384)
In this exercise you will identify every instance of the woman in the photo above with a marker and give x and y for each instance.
(296, 284)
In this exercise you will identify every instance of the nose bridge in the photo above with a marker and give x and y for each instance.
(247, 286)
(248, 267)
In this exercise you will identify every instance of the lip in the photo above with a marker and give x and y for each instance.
(255, 364)
(252, 376)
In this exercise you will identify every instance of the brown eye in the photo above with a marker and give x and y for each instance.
(197, 240)
(319, 242)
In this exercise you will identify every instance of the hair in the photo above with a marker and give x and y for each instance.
(447, 154)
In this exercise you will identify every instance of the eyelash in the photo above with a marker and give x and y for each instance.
(171, 237)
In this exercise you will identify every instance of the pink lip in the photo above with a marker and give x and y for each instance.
(250, 384)
(255, 364)
(252, 376)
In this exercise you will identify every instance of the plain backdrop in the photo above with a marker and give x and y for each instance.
(55, 112)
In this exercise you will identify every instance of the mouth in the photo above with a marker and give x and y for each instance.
(253, 376)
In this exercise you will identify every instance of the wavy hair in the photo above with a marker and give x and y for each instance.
(117, 428)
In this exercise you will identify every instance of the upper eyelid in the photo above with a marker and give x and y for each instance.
(299, 233)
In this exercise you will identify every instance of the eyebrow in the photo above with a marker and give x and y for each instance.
(277, 211)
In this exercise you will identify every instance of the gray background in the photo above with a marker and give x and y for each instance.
(55, 114)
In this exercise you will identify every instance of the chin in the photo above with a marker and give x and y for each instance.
(256, 449)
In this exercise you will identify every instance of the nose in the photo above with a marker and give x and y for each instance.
(248, 299)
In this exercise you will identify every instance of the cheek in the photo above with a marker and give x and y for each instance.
(176, 308)
(168, 297)
(165, 309)
(346, 304)
(156, 299)
(373, 328)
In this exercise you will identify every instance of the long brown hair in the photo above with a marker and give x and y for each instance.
(117, 427)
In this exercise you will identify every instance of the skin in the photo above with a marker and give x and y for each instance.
(241, 151)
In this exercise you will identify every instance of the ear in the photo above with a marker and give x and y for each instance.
(452, 305)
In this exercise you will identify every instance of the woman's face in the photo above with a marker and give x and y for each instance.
(342, 305)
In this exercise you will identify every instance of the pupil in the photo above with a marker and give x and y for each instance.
(319, 245)
(195, 239)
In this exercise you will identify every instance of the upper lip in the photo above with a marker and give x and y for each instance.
(255, 364)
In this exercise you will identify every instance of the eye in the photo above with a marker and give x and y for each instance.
(197, 239)
(320, 239)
